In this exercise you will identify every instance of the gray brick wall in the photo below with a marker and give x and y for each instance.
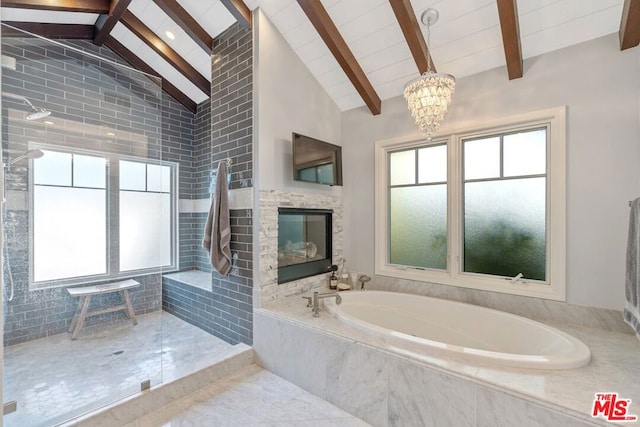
(232, 137)
(232, 104)
(226, 310)
(98, 93)
(89, 93)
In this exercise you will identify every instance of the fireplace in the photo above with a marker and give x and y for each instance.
(304, 243)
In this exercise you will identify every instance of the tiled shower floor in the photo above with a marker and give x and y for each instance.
(55, 378)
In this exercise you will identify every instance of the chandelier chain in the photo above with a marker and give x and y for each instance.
(429, 45)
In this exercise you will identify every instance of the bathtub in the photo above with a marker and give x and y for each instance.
(477, 332)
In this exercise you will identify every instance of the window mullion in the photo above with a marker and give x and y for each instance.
(113, 221)
(454, 204)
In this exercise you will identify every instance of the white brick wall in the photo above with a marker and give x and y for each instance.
(267, 288)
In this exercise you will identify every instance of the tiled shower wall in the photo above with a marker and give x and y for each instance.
(230, 136)
(87, 93)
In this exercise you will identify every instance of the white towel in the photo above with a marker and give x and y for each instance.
(632, 279)
(217, 231)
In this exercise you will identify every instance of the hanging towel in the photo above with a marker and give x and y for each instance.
(632, 279)
(217, 231)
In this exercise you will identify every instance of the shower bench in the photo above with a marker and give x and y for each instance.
(86, 292)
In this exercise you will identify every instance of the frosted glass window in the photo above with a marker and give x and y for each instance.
(403, 167)
(69, 229)
(418, 226)
(154, 178)
(133, 176)
(89, 171)
(505, 227)
(145, 230)
(165, 185)
(482, 158)
(432, 164)
(525, 153)
(52, 168)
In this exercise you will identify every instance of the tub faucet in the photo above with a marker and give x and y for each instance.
(363, 279)
(318, 296)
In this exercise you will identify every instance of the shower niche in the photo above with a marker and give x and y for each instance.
(304, 243)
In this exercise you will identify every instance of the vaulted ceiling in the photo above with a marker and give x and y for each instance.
(361, 51)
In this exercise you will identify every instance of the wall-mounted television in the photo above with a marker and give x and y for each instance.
(316, 161)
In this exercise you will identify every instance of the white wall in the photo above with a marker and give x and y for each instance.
(601, 87)
(289, 100)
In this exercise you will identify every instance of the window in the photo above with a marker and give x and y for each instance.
(97, 216)
(476, 208)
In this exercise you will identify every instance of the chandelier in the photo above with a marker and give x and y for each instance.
(429, 95)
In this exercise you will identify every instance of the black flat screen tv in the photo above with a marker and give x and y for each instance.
(316, 161)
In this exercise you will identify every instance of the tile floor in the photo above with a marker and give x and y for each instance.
(251, 397)
(54, 379)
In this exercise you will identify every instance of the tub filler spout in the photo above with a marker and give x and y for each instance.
(318, 296)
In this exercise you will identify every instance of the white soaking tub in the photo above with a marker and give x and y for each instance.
(491, 335)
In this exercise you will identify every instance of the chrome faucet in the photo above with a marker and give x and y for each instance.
(318, 296)
(363, 279)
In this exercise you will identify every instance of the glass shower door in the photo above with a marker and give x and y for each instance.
(83, 253)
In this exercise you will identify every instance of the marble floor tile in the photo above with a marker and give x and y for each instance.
(250, 397)
(54, 379)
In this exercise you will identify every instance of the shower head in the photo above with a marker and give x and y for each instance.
(36, 112)
(31, 154)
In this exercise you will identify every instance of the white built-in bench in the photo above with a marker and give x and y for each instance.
(86, 292)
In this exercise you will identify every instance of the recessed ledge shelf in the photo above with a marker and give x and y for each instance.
(196, 278)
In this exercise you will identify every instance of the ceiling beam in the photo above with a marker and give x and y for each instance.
(88, 6)
(630, 25)
(406, 17)
(240, 11)
(328, 31)
(137, 63)
(106, 22)
(508, 12)
(164, 50)
(51, 31)
(190, 26)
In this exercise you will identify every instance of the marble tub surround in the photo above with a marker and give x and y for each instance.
(270, 200)
(333, 361)
(533, 308)
(251, 397)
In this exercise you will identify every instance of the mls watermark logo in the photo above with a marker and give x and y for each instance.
(611, 408)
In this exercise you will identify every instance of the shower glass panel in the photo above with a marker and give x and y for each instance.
(78, 232)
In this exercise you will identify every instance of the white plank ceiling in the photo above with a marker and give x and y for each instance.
(466, 40)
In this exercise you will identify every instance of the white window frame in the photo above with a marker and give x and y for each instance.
(555, 286)
(112, 189)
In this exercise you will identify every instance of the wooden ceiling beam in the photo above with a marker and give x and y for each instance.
(328, 31)
(106, 22)
(137, 63)
(406, 17)
(630, 25)
(87, 6)
(165, 51)
(51, 31)
(508, 12)
(190, 26)
(240, 11)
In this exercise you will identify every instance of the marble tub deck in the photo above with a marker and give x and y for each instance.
(251, 397)
(55, 379)
(614, 367)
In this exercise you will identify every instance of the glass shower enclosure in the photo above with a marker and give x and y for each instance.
(89, 226)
